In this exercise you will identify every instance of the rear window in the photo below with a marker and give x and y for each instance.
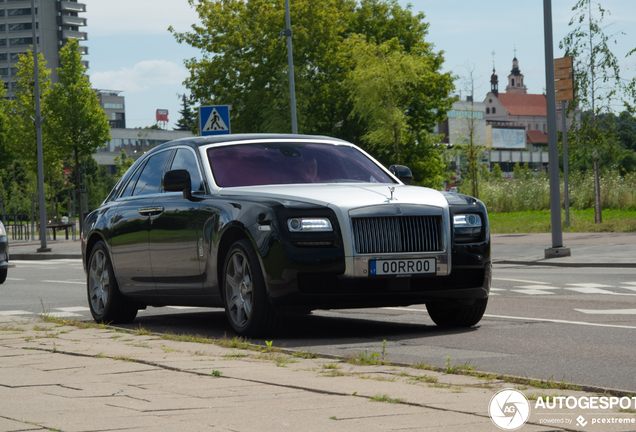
(292, 163)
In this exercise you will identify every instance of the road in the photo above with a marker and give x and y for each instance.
(571, 324)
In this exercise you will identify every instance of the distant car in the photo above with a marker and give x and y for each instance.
(267, 225)
(4, 253)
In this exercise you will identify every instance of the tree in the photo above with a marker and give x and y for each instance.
(77, 123)
(122, 162)
(188, 119)
(21, 127)
(597, 81)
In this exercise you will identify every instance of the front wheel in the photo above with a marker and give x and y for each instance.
(3, 275)
(247, 305)
(106, 303)
(453, 315)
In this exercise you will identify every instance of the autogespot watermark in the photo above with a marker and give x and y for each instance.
(509, 409)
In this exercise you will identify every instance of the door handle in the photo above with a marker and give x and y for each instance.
(150, 211)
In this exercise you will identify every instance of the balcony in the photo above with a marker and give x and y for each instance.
(71, 21)
(83, 50)
(67, 6)
(84, 63)
(70, 34)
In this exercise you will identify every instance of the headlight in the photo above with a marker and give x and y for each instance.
(309, 224)
(2, 230)
(467, 227)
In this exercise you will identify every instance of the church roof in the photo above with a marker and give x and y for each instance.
(536, 137)
(522, 104)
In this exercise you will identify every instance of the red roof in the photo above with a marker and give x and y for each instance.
(537, 137)
(521, 104)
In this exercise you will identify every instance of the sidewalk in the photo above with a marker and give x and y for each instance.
(588, 249)
(57, 377)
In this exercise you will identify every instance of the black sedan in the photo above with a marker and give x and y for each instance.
(268, 225)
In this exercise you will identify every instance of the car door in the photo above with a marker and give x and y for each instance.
(130, 227)
(175, 243)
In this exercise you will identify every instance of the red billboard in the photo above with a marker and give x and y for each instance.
(162, 115)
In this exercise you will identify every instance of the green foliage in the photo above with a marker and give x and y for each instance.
(122, 162)
(188, 120)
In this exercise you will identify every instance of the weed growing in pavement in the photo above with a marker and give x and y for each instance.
(100, 355)
(385, 398)
(142, 345)
(305, 354)
(141, 331)
(453, 369)
(125, 359)
(383, 351)
(331, 366)
(216, 373)
(116, 336)
(424, 366)
(404, 373)
(8, 328)
(333, 418)
(424, 378)
(333, 373)
(235, 355)
(366, 358)
(40, 328)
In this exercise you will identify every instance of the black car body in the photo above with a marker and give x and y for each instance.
(265, 225)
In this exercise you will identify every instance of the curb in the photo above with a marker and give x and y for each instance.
(42, 256)
(566, 264)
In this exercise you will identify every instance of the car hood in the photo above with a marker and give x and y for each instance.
(343, 195)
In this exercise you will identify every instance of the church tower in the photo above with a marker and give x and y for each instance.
(515, 79)
(494, 82)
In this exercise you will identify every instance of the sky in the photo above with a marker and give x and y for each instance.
(130, 48)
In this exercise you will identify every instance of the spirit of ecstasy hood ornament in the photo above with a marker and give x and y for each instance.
(392, 189)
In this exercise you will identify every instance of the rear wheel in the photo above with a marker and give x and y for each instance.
(454, 315)
(247, 305)
(105, 301)
(3, 275)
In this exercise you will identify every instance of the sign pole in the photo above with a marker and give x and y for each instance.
(566, 192)
(557, 249)
(290, 59)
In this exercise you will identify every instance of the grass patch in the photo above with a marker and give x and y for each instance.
(235, 355)
(142, 345)
(385, 398)
(366, 358)
(614, 220)
(331, 366)
(216, 373)
(424, 366)
(7, 328)
(449, 369)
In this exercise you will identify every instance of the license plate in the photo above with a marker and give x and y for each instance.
(401, 267)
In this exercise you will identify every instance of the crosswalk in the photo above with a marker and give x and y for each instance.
(544, 288)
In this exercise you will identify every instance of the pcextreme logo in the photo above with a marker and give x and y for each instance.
(509, 409)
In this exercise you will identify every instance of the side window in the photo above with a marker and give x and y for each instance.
(185, 159)
(150, 179)
(131, 184)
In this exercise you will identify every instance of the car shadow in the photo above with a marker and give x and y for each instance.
(299, 331)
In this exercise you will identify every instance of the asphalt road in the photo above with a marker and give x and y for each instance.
(571, 324)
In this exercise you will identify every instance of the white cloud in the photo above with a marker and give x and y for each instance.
(142, 77)
(132, 17)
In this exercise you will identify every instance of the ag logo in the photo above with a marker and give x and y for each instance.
(509, 409)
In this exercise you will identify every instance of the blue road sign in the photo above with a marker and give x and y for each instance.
(214, 120)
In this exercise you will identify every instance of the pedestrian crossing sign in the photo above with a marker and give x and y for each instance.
(214, 120)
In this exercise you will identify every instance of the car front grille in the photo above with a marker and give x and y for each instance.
(387, 234)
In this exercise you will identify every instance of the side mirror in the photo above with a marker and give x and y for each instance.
(403, 173)
(177, 181)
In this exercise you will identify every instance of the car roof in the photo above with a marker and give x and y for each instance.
(221, 139)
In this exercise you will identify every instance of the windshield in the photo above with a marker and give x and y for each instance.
(291, 163)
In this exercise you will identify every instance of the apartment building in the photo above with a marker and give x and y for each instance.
(56, 22)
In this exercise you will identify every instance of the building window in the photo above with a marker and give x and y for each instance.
(3, 27)
(21, 12)
(113, 106)
(3, 57)
(545, 130)
(3, 42)
(513, 82)
(21, 41)
(2, 13)
(16, 56)
(487, 110)
(493, 110)
(537, 126)
(14, 71)
(6, 86)
(20, 26)
(4, 71)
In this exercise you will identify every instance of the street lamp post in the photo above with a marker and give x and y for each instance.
(38, 133)
(290, 59)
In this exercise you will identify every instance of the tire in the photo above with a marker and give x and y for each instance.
(105, 301)
(445, 315)
(247, 304)
(3, 275)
